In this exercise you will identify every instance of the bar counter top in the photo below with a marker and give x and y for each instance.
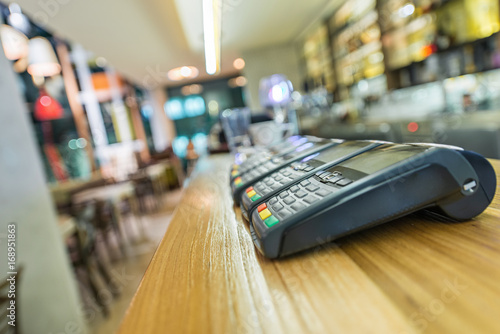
(413, 275)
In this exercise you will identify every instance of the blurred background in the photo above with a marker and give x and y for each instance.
(105, 107)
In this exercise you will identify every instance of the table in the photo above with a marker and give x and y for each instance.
(61, 192)
(155, 174)
(412, 275)
(66, 225)
(156, 171)
(115, 193)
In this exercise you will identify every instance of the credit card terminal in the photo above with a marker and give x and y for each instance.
(271, 184)
(262, 156)
(313, 145)
(372, 188)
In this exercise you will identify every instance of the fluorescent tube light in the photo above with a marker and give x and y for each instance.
(212, 34)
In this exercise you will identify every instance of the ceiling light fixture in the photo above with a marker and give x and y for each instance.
(239, 64)
(42, 58)
(240, 81)
(15, 43)
(184, 72)
(18, 20)
(191, 89)
(212, 34)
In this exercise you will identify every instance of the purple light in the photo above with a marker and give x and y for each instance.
(312, 156)
(304, 147)
(239, 158)
(275, 90)
(299, 142)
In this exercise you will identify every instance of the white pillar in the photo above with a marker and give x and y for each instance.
(47, 290)
(119, 109)
(162, 127)
(89, 98)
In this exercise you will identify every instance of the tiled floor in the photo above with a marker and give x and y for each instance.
(128, 271)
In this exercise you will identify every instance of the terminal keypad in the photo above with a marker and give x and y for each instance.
(304, 194)
(281, 178)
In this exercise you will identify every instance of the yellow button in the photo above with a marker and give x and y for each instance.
(265, 214)
(251, 193)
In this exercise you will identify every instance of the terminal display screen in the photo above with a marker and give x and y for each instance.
(378, 159)
(334, 153)
(303, 148)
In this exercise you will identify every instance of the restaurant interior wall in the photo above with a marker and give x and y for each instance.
(194, 115)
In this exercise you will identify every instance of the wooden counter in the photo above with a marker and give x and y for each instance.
(416, 274)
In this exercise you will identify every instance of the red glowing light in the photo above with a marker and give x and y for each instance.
(413, 126)
(46, 108)
(45, 101)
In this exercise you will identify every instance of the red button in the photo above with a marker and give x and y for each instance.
(262, 207)
(249, 189)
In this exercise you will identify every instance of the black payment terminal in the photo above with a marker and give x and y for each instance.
(369, 189)
(263, 189)
(264, 154)
(311, 146)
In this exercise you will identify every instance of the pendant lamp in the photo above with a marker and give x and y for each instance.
(18, 20)
(42, 59)
(15, 43)
(47, 108)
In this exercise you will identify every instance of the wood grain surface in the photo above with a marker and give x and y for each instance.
(414, 275)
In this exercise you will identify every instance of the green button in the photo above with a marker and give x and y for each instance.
(239, 185)
(271, 221)
(255, 198)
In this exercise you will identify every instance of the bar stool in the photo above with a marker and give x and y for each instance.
(106, 222)
(84, 255)
(145, 193)
(130, 213)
